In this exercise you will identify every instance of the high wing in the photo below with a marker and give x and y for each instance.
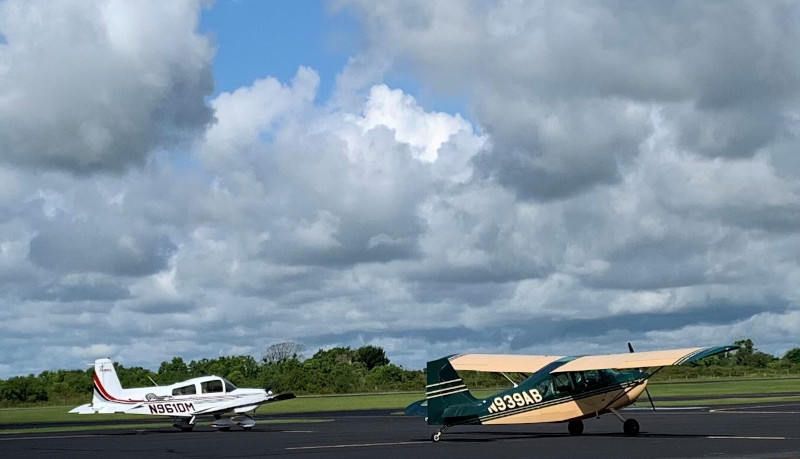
(641, 359)
(502, 363)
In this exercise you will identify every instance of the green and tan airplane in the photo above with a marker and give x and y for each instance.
(555, 389)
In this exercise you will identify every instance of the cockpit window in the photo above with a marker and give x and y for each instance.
(214, 385)
(229, 386)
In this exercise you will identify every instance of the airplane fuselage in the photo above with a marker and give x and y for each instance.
(550, 397)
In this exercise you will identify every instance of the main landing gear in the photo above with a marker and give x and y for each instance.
(575, 427)
(186, 425)
(629, 426)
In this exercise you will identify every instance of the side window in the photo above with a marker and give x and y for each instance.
(562, 382)
(592, 378)
(185, 390)
(545, 388)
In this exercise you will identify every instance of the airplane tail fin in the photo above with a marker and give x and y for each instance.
(107, 387)
(444, 389)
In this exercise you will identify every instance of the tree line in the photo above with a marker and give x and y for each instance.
(340, 370)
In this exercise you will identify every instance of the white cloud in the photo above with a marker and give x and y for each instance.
(601, 188)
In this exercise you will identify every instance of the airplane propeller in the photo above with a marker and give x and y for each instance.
(630, 349)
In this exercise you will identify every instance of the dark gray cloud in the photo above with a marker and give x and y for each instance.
(70, 246)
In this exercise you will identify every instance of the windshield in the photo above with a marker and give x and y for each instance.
(229, 386)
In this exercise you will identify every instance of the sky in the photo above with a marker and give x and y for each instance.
(201, 179)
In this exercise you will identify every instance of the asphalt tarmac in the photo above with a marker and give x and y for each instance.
(751, 431)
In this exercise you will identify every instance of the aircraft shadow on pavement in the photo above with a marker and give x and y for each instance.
(501, 436)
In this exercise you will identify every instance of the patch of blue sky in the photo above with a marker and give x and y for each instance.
(256, 39)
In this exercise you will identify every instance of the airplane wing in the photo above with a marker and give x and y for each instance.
(641, 359)
(501, 363)
(243, 404)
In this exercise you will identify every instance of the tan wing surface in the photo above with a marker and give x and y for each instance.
(501, 363)
(630, 360)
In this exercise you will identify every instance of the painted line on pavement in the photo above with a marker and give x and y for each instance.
(359, 445)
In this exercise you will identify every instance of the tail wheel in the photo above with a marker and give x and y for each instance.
(575, 427)
(631, 427)
(436, 437)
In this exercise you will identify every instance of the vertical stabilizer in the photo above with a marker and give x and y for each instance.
(444, 389)
(107, 387)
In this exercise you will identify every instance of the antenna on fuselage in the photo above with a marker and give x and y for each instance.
(151, 380)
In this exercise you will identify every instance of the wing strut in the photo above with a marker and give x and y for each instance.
(630, 349)
(510, 380)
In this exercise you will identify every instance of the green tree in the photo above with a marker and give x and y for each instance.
(745, 351)
(173, 371)
(385, 377)
(371, 356)
(24, 389)
(749, 356)
(134, 376)
(792, 356)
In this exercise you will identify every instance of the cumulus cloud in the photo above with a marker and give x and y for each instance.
(619, 173)
(565, 89)
(97, 86)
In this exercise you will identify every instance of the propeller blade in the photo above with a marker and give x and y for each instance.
(630, 348)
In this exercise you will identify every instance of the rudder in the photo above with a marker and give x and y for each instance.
(444, 389)
(107, 387)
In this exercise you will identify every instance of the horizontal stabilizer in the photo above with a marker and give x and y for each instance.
(418, 408)
(279, 397)
(83, 409)
(109, 409)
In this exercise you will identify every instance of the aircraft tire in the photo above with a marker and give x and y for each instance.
(631, 427)
(436, 437)
(575, 427)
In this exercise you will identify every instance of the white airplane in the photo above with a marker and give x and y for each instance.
(183, 401)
